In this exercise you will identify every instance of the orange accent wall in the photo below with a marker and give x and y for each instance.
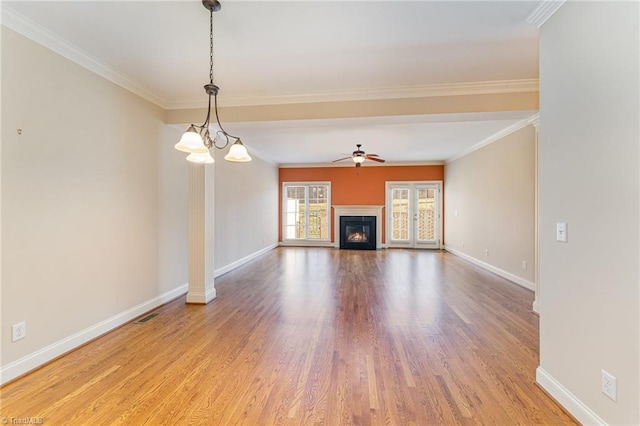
(357, 185)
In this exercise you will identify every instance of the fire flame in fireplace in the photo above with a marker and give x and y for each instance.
(357, 237)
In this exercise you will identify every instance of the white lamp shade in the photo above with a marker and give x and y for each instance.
(238, 153)
(358, 159)
(191, 142)
(200, 158)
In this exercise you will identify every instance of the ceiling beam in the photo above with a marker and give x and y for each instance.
(367, 108)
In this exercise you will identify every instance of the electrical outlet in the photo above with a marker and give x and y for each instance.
(18, 331)
(609, 385)
(486, 252)
(524, 264)
(463, 244)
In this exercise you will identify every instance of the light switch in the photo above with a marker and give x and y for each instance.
(561, 232)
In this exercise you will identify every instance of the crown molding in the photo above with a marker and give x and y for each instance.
(35, 32)
(351, 164)
(262, 157)
(543, 11)
(533, 120)
(424, 91)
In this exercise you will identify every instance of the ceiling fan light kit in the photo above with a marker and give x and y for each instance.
(197, 140)
(358, 156)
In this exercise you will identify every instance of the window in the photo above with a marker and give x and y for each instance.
(400, 214)
(306, 211)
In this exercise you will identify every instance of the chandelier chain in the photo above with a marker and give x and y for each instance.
(197, 140)
(211, 47)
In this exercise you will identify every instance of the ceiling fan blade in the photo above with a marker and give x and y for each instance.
(340, 159)
(379, 160)
(373, 155)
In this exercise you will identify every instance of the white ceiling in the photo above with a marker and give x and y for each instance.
(401, 139)
(268, 52)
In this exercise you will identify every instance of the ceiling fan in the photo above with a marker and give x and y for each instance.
(359, 156)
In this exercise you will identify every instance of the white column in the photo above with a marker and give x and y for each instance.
(536, 252)
(201, 286)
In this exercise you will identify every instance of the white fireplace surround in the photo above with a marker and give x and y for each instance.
(343, 210)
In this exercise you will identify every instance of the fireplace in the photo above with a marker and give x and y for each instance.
(358, 232)
(359, 211)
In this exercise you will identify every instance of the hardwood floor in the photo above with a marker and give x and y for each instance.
(312, 336)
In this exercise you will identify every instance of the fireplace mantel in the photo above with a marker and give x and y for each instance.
(345, 210)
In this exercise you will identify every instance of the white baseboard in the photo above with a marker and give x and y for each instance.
(240, 262)
(40, 357)
(573, 405)
(504, 274)
(536, 307)
(202, 297)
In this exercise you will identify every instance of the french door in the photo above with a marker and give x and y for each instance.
(414, 214)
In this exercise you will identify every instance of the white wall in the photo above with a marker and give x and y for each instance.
(173, 204)
(492, 190)
(589, 177)
(94, 206)
(80, 200)
(246, 205)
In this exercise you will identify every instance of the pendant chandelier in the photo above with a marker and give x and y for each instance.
(198, 140)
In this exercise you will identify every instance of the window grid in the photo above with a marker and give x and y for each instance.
(426, 214)
(400, 214)
(306, 211)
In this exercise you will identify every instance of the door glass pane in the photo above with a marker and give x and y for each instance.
(426, 227)
(400, 214)
(295, 213)
(318, 212)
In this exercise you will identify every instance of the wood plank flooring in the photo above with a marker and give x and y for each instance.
(304, 336)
